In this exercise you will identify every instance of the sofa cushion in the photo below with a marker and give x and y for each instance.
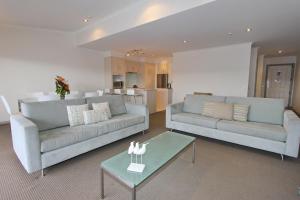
(119, 122)
(116, 103)
(262, 130)
(49, 114)
(218, 110)
(265, 110)
(65, 136)
(195, 119)
(195, 103)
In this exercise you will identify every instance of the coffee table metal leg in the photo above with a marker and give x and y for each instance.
(133, 193)
(102, 183)
(193, 152)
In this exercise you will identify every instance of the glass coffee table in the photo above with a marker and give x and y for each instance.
(161, 150)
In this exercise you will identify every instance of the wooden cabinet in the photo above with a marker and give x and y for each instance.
(149, 76)
(132, 66)
(163, 68)
(118, 66)
(163, 98)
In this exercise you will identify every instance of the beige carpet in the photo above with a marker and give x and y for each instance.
(222, 171)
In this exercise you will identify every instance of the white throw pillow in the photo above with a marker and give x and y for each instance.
(240, 112)
(94, 116)
(103, 107)
(218, 110)
(75, 114)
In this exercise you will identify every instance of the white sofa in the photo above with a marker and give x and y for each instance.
(269, 127)
(42, 136)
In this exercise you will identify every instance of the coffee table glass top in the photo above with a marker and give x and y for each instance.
(160, 150)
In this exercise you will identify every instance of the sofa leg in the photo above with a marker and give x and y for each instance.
(43, 172)
(171, 130)
(143, 132)
(282, 157)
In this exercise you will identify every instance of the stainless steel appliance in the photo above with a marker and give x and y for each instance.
(162, 81)
(118, 85)
(118, 82)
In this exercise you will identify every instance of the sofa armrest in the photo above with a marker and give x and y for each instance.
(26, 142)
(291, 123)
(172, 109)
(139, 109)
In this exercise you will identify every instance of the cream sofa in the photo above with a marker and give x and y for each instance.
(269, 127)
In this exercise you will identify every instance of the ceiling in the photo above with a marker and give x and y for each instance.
(63, 15)
(275, 25)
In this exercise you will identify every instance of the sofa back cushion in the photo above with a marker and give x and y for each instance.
(265, 110)
(49, 114)
(116, 103)
(195, 103)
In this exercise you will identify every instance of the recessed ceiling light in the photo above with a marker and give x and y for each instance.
(248, 29)
(87, 19)
(185, 41)
(280, 51)
(229, 33)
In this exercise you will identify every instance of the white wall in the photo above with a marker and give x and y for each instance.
(221, 71)
(30, 59)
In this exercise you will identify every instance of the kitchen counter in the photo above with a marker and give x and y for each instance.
(163, 98)
(156, 99)
(148, 98)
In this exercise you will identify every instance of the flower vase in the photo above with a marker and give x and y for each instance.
(62, 97)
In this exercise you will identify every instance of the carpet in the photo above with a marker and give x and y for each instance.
(222, 171)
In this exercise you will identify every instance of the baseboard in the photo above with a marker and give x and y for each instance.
(4, 123)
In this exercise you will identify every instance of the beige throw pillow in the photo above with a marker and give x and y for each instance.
(75, 114)
(240, 112)
(103, 107)
(94, 116)
(218, 110)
